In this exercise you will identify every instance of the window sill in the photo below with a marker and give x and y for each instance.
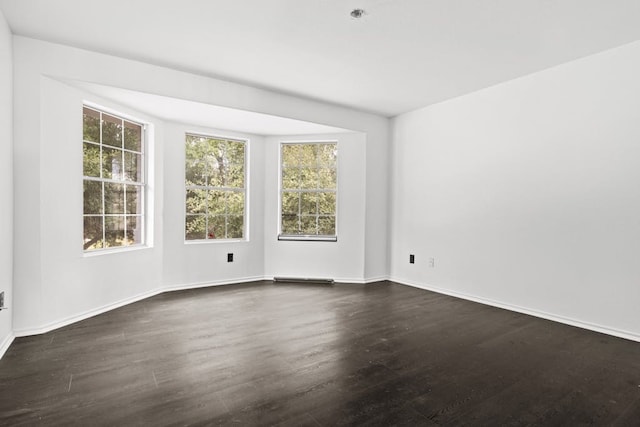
(207, 241)
(306, 238)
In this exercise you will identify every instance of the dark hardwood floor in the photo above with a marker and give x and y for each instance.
(310, 355)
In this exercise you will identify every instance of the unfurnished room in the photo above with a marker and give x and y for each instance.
(320, 212)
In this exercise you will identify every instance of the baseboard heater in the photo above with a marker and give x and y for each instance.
(303, 280)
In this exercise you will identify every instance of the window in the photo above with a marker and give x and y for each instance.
(114, 181)
(308, 191)
(215, 188)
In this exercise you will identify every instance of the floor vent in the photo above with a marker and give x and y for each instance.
(303, 280)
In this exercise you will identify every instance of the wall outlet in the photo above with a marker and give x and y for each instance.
(432, 262)
(230, 257)
(412, 259)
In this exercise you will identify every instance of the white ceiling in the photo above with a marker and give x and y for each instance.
(403, 55)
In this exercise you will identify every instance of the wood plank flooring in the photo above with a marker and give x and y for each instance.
(307, 355)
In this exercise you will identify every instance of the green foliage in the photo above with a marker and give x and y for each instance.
(132, 137)
(215, 188)
(91, 125)
(111, 131)
(308, 199)
(91, 162)
(113, 210)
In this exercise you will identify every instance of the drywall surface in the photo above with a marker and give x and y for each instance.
(54, 282)
(342, 260)
(73, 283)
(6, 180)
(526, 193)
(195, 263)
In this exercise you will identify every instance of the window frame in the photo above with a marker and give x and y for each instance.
(245, 190)
(143, 182)
(307, 237)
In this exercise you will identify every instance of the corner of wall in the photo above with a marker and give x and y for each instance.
(6, 182)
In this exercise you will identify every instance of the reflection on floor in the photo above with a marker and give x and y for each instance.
(287, 354)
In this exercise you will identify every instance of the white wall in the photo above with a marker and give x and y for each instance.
(342, 260)
(192, 264)
(54, 283)
(73, 284)
(526, 194)
(6, 181)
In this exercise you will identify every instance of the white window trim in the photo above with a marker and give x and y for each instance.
(306, 237)
(147, 155)
(246, 225)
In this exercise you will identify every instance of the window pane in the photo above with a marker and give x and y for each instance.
(114, 231)
(217, 227)
(235, 203)
(132, 167)
(111, 163)
(217, 202)
(327, 225)
(92, 233)
(327, 179)
(114, 212)
(234, 176)
(308, 203)
(132, 136)
(290, 224)
(92, 198)
(113, 198)
(195, 173)
(290, 203)
(235, 226)
(217, 165)
(216, 174)
(290, 154)
(195, 227)
(290, 178)
(90, 125)
(308, 178)
(308, 167)
(194, 150)
(134, 197)
(215, 148)
(327, 155)
(327, 203)
(308, 225)
(196, 201)
(308, 155)
(134, 230)
(235, 152)
(111, 130)
(91, 160)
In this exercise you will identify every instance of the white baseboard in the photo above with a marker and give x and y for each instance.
(536, 313)
(84, 315)
(362, 281)
(6, 342)
(94, 312)
(376, 279)
(196, 285)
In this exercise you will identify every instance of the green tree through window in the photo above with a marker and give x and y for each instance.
(215, 188)
(308, 189)
(114, 183)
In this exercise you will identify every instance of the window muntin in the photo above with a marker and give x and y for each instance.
(308, 190)
(215, 187)
(113, 181)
